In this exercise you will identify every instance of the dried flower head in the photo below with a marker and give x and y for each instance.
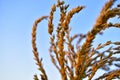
(82, 61)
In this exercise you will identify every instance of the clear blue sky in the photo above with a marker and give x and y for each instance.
(16, 20)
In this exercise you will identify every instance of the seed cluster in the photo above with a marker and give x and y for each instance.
(75, 61)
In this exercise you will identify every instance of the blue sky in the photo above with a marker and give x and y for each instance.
(16, 20)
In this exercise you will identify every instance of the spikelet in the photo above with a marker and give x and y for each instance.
(50, 24)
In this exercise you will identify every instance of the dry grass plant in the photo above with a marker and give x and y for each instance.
(79, 62)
